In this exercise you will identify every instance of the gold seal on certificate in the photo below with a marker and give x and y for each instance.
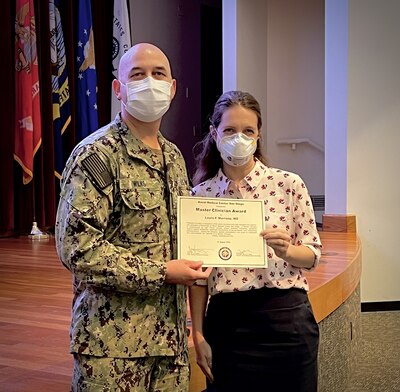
(222, 232)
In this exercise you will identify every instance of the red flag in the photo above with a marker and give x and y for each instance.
(28, 128)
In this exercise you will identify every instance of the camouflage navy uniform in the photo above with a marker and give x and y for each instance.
(115, 230)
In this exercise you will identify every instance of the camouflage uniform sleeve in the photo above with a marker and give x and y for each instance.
(83, 216)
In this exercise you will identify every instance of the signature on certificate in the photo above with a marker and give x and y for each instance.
(197, 251)
(246, 253)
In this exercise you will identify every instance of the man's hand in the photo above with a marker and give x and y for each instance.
(185, 272)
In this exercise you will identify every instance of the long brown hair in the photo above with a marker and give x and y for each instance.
(208, 158)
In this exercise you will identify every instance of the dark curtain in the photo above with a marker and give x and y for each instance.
(20, 204)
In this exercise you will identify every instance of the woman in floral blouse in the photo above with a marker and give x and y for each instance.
(254, 329)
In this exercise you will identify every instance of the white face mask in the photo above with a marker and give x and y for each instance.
(148, 99)
(237, 149)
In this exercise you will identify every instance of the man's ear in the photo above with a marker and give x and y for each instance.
(173, 89)
(116, 86)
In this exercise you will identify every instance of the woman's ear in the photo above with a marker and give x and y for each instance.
(213, 133)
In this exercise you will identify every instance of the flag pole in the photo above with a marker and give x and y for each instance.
(36, 233)
(28, 132)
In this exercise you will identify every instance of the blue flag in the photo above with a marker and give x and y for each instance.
(86, 83)
(60, 86)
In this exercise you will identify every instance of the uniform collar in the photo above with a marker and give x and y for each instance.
(137, 149)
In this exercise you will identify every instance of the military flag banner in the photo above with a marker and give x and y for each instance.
(86, 83)
(121, 43)
(60, 86)
(28, 127)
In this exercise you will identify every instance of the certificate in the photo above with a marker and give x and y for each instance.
(221, 232)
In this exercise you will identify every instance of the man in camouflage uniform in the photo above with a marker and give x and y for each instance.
(116, 232)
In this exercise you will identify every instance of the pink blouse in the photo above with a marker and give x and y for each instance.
(287, 206)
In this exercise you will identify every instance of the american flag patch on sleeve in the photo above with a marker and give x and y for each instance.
(97, 170)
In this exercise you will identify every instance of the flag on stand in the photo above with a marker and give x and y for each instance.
(28, 127)
(60, 87)
(121, 43)
(86, 83)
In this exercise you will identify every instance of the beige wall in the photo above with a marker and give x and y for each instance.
(295, 87)
(373, 137)
(280, 57)
(280, 60)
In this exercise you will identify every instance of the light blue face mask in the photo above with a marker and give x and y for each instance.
(237, 149)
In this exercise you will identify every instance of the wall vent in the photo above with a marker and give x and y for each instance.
(318, 202)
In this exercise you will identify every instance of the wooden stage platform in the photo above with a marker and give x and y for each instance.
(35, 303)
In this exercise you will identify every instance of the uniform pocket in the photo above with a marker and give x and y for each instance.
(141, 195)
(142, 210)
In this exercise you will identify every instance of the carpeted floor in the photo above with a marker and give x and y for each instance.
(378, 363)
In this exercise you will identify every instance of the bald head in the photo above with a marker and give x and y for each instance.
(138, 63)
(143, 57)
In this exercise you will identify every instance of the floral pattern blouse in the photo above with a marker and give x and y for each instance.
(287, 206)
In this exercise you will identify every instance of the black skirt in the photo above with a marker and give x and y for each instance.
(262, 340)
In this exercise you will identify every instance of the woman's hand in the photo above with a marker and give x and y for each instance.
(279, 240)
(204, 358)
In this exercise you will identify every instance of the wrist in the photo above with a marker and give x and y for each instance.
(197, 336)
(300, 256)
(291, 254)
